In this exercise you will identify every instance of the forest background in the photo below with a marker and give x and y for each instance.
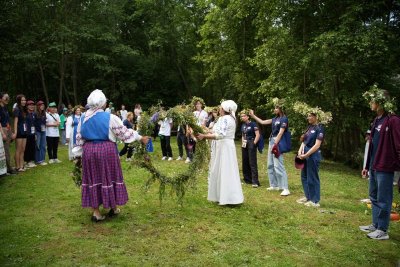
(322, 52)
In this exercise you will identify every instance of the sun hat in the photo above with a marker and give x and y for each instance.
(52, 105)
(298, 163)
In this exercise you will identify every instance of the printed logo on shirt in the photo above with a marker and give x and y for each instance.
(312, 131)
(321, 135)
(284, 124)
(378, 128)
(277, 122)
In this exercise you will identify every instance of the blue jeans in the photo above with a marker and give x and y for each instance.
(276, 169)
(40, 151)
(310, 177)
(381, 195)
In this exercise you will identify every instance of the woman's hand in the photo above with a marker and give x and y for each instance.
(303, 156)
(144, 140)
(251, 112)
(200, 136)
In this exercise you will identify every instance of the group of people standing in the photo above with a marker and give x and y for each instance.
(33, 128)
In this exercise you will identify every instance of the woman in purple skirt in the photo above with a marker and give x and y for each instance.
(102, 179)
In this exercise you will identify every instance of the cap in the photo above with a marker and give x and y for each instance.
(52, 105)
(30, 102)
(65, 109)
(40, 102)
(298, 163)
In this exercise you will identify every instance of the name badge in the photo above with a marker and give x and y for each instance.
(33, 130)
(25, 127)
(43, 128)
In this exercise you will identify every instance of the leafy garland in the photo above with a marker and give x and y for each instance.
(304, 109)
(380, 97)
(181, 115)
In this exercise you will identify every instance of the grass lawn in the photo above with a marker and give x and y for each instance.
(42, 223)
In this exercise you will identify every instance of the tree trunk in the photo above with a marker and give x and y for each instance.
(74, 79)
(46, 95)
(62, 74)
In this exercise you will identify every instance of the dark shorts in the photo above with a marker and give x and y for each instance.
(21, 136)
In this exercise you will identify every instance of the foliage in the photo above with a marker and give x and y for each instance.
(181, 115)
(304, 109)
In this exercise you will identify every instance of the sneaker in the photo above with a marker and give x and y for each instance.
(285, 192)
(378, 235)
(272, 188)
(179, 158)
(170, 158)
(311, 204)
(164, 158)
(31, 165)
(42, 163)
(302, 200)
(254, 185)
(187, 160)
(367, 228)
(51, 161)
(57, 161)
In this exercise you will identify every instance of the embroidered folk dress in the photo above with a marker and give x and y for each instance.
(224, 184)
(102, 179)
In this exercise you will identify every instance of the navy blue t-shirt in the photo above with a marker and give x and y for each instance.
(314, 133)
(40, 123)
(4, 116)
(21, 126)
(249, 130)
(375, 133)
(278, 123)
(30, 123)
(128, 124)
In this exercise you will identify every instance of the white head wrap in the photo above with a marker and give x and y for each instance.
(229, 106)
(96, 99)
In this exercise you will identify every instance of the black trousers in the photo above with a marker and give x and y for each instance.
(30, 149)
(166, 146)
(128, 149)
(249, 163)
(52, 146)
(182, 142)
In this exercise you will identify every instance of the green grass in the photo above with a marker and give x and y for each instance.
(42, 223)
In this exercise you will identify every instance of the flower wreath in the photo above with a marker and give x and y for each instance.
(304, 109)
(381, 97)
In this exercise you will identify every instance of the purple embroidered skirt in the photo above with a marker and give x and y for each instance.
(102, 180)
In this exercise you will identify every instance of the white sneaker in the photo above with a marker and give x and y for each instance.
(311, 204)
(179, 158)
(378, 235)
(271, 188)
(187, 160)
(285, 192)
(31, 165)
(302, 200)
(51, 161)
(367, 228)
(170, 158)
(57, 161)
(164, 158)
(43, 163)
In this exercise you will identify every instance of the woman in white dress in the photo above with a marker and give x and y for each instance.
(71, 129)
(224, 184)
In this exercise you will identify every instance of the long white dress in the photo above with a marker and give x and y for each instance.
(224, 184)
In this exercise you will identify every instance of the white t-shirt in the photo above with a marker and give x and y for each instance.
(124, 113)
(201, 117)
(52, 131)
(165, 127)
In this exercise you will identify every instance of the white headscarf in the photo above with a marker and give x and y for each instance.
(95, 101)
(229, 106)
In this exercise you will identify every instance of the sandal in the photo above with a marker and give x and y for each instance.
(113, 212)
(20, 170)
(97, 219)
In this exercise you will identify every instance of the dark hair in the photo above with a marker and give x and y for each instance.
(2, 94)
(41, 113)
(22, 109)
